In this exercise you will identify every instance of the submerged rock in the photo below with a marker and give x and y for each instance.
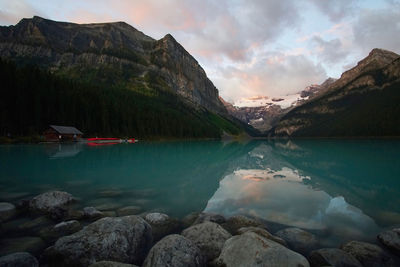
(49, 201)
(51, 234)
(391, 239)
(162, 225)
(189, 219)
(111, 264)
(210, 217)
(368, 254)
(129, 210)
(332, 257)
(7, 211)
(174, 250)
(209, 237)
(19, 259)
(264, 233)
(29, 244)
(234, 223)
(124, 239)
(251, 249)
(298, 240)
(91, 213)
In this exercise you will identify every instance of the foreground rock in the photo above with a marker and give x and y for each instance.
(19, 259)
(123, 239)
(7, 211)
(234, 223)
(111, 264)
(298, 240)
(368, 254)
(209, 237)
(264, 233)
(162, 225)
(332, 257)
(51, 234)
(174, 250)
(391, 239)
(209, 217)
(50, 201)
(250, 249)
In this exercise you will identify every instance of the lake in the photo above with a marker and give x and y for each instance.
(338, 189)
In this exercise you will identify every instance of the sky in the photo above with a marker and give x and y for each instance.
(247, 48)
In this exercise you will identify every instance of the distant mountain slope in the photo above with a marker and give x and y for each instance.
(167, 82)
(263, 112)
(363, 102)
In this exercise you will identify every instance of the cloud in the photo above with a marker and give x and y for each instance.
(336, 10)
(13, 11)
(330, 52)
(378, 29)
(274, 74)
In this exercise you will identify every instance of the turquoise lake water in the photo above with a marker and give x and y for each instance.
(338, 189)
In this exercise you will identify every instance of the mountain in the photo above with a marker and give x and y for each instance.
(119, 57)
(263, 112)
(363, 102)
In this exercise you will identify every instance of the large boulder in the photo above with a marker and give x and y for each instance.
(123, 239)
(111, 264)
(391, 239)
(298, 240)
(50, 201)
(369, 255)
(19, 259)
(51, 234)
(234, 223)
(251, 249)
(174, 250)
(162, 225)
(209, 237)
(7, 211)
(209, 217)
(264, 233)
(332, 257)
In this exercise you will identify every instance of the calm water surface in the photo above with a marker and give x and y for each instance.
(339, 190)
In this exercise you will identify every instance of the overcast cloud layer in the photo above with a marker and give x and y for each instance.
(247, 48)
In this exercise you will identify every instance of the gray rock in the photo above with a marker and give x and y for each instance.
(368, 254)
(19, 259)
(29, 244)
(36, 224)
(251, 249)
(7, 211)
(92, 213)
(162, 225)
(391, 239)
(51, 234)
(174, 250)
(124, 239)
(129, 210)
(264, 233)
(111, 264)
(234, 223)
(332, 257)
(210, 217)
(209, 237)
(49, 201)
(189, 219)
(298, 240)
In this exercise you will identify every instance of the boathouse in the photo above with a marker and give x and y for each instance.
(62, 133)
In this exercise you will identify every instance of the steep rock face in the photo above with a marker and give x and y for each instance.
(116, 52)
(363, 102)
